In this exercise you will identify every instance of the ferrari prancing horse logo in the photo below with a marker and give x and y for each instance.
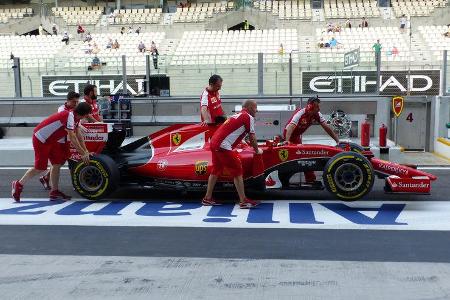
(397, 105)
(176, 138)
(283, 154)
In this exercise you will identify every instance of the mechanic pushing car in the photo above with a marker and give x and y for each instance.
(227, 137)
(90, 97)
(210, 103)
(71, 102)
(299, 122)
(45, 143)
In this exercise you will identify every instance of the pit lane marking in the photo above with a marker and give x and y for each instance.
(379, 215)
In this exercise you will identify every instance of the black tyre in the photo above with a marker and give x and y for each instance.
(96, 180)
(353, 147)
(349, 176)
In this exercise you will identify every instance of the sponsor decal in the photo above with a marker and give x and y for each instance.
(307, 163)
(293, 214)
(417, 82)
(312, 152)
(201, 167)
(176, 138)
(283, 154)
(410, 185)
(162, 164)
(54, 85)
(397, 105)
(95, 137)
(391, 168)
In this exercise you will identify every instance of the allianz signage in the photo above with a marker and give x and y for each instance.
(422, 82)
(54, 86)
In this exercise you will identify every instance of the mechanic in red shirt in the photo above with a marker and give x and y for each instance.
(64, 144)
(227, 137)
(301, 120)
(45, 143)
(90, 97)
(210, 103)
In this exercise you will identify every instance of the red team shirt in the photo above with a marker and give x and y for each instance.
(302, 121)
(49, 139)
(95, 112)
(228, 136)
(212, 101)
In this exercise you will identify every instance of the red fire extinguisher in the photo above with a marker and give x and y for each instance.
(382, 136)
(365, 133)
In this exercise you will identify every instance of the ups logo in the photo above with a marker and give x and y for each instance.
(201, 167)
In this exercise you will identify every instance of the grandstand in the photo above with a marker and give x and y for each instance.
(186, 41)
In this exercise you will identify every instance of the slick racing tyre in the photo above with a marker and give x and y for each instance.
(353, 147)
(96, 180)
(348, 175)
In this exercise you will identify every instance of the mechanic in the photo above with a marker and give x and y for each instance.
(301, 120)
(210, 103)
(90, 96)
(45, 143)
(227, 137)
(69, 105)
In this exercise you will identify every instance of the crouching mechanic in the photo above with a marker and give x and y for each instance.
(71, 102)
(45, 143)
(301, 120)
(227, 137)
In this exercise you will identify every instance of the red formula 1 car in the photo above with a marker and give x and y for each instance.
(179, 158)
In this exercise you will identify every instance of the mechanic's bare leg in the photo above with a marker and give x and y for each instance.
(211, 184)
(32, 172)
(239, 184)
(54, 177)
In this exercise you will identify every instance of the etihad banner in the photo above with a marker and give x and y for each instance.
(423, 82)
(59, 86)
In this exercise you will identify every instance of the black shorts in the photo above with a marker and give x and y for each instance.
(402, 26)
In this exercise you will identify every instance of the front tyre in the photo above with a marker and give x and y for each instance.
(349, 176)
(96, 180)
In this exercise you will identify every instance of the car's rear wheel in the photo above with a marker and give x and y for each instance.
(97, 179)
(349, 176)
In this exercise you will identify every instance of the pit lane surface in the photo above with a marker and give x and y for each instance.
(215, 261)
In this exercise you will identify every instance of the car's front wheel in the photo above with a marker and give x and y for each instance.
(97, 179)
(349, 176)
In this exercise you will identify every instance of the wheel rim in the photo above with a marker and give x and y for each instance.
(348, 177)
(90, 178)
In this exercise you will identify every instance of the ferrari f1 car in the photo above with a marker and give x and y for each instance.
(179, 158)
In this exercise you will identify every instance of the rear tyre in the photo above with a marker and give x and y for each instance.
(349, 176)
(96, 180)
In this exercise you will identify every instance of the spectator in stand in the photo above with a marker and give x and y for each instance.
(96, 64)
(141, 47)
(394, 51)
(364, 23)
(138, 30)
(109, 44)
(447, 34)
(122, 30)
(348, 24)
(281, 49)
(403, 23)
(155, 55)
(130, 30)
(153, 46)
(87, 38)
(246, 25)
(329, 27)
(80, 29)
(116, 45)
(95, 49)
(54, 29)
(333, 42)
(377, 49)
(41, 29)
(65, 38)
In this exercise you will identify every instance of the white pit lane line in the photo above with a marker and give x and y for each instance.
(377, 215)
